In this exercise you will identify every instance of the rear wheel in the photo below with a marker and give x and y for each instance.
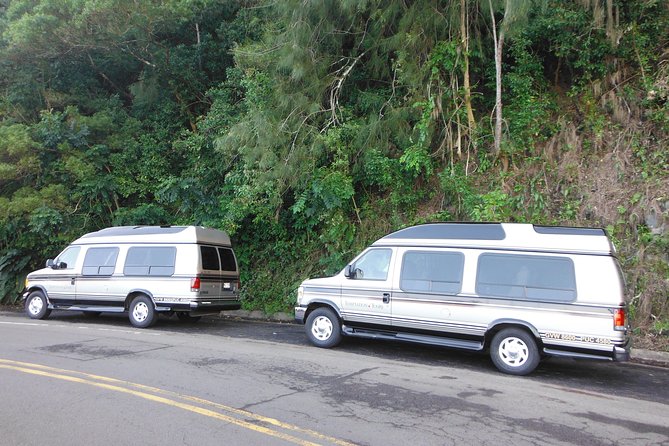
(36, 305)
(323, 328)
(141, 313)
(514, 351)
(184, 316)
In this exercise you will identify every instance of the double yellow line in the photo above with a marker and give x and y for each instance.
(264, 425)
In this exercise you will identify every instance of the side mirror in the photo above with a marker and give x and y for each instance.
(50, 264)
(348, 272)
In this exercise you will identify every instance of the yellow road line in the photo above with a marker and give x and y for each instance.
(42, 370)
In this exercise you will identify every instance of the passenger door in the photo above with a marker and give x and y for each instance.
(95, 286)
(427, 298)
(366, 294)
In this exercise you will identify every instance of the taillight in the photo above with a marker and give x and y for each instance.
(619, 319)
(195, 284)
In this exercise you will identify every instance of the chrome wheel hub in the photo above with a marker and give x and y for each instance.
(140, 312)
(513, 351)
(322, 328)
(35, 305)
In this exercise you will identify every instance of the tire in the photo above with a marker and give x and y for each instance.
(36, 306)
(323, 328)
(514, 351)
(141, 313)
(184, 316)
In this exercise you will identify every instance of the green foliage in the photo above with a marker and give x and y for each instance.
(309, 129)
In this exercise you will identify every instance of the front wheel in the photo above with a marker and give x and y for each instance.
(514, 351)
(323, 328)
(141, 313)
(36, 306)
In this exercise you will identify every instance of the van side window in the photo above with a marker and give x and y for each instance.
(69, 257)
(543, 278)
(209, 258)
(150, 261)
(100, 262)
(373, 265)
(228, 262)
(432, 272)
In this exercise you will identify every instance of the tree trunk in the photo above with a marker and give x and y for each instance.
(464, 34)
(499, 45)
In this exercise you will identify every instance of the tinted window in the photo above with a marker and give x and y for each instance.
(100, 262)
(526, 277)
(209, 258)
(69, 257)
(373, 265)
(150, 261)
(227, 259)
(432, 272)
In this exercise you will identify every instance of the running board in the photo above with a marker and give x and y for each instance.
(100, 308)
(410, 337)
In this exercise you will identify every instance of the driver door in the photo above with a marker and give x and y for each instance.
(367, 291)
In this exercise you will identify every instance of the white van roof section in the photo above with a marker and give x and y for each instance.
(156, 234)
(512, 236)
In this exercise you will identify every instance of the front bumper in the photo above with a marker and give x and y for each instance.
(299, 314)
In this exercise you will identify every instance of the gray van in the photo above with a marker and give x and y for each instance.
(518, 291)
(144, 270)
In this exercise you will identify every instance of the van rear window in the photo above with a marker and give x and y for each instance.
(150, 261)
(542, 278)
(209, 258)
(228, 262)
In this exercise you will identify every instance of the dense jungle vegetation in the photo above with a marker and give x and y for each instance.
(307, 129)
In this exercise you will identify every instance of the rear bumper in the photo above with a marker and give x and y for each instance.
(621, 354)
(200, 307)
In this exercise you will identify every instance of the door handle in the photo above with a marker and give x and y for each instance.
(72, 281)
(386, 298)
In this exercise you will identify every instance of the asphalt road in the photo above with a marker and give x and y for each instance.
(72, 380)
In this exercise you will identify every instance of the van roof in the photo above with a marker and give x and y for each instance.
(513, 236)
(155, 234)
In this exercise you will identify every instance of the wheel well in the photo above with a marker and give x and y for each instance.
(130, 297)
(315, 305)
(37, 288)
(492, 331)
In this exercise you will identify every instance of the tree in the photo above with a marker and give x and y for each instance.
(515, 13)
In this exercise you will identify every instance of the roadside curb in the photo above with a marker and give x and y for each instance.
(258, 315)
(650, 357)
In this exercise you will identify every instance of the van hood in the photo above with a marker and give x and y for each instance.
(39, 272)
(334, 281)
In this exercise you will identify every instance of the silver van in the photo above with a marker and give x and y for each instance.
(518, 291)
(144, 270)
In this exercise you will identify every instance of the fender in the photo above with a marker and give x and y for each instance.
(136, 291)
(516, 322)
(27, 292)
(321, 303)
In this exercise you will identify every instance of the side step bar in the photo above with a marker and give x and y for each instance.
(422, 339)
(100, 308)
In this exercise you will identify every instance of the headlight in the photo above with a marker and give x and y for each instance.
(300, 294)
